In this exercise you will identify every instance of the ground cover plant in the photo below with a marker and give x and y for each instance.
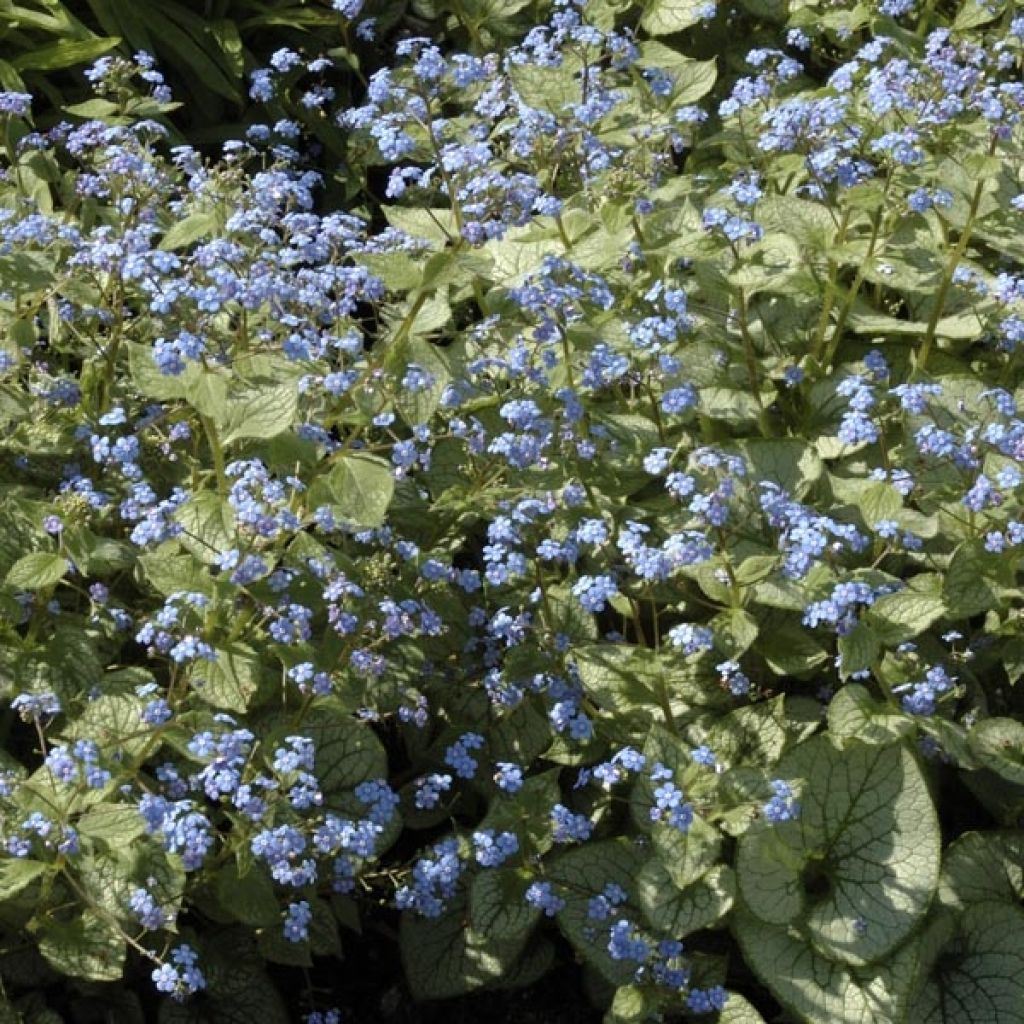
(596, 541)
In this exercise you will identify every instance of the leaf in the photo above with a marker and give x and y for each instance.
(444, 957)
(208, 526)
(854, 715)
(625, 679)
(110, 877)
(790, 463)
(735, 630)
(686, 856)
(819, 990)
(65, 54)
(983, 866)
(347, 751)
(663, 17)
(754, 734)
(17, 874)
(182, 233)
(998, 743)
(578, 876)
(112, 721)
(691, 78)
(858, 650)
(496, 905)
(973, 13)
(859, 867)
(231, 680)
(249, 898)
(979, 975)
(115, 824)
(87, 947)
(238, 990)
(260, 414)
(907, 613)
(37, 570)
(362, 486)
(966, 587)
(679, 912)
(738, 1011)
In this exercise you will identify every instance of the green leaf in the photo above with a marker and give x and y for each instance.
(792, 464)
(967, 588)
(116, 824)
(738, 1011)
(625, 679)
(238, 990)
(663, 17)
(528, 812)
(65, 54)
(249, 898)
(907, 613)
(262, 414)
(858, 650)
(735, 630)
(496, 905)
(854, 715)
(677, 913)
(821, 991)
(182, 233)
(17, 874)
(983, 866)
(362, 486)
(973, 13)
(686, 856)
(859, 867)
(979, 974)
(87, 947)
(231, 680)
(208, 526)
(444, 957)
(998, 743)
(347, 751)
(37, 570)
(754, 734)
(691, 78)
(112, 721)
(583, 873)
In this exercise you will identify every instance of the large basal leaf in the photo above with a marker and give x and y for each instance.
(238, 990)
(445, 957)
(978, 977)
(496, 905)
(88, 947)
(679, 912)
(858, 868)
(581, 874)
(347, 752)
(854, 715)
(983, 866)
(998, 743)
(822, 991)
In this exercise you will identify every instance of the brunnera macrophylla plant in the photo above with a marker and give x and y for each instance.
(606, 537)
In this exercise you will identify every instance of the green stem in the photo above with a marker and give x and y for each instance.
(830, 290)
(217, 452)
(851, 295)
(947, 275)
(752, 364)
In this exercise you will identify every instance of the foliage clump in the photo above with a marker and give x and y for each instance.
(604, 534)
